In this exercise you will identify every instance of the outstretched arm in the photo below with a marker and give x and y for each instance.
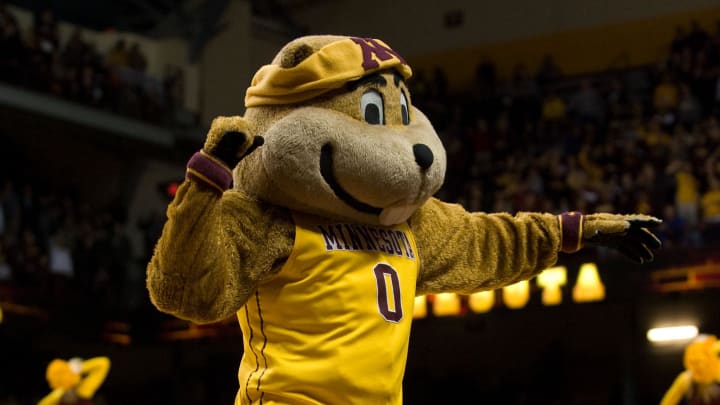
(467, 252)
(216, 245)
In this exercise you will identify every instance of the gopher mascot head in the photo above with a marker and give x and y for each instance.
(341, 136)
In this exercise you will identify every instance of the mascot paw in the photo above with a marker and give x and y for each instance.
(230, 140)
(628, 234)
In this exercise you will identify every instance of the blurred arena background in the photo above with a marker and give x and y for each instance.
(556, 105)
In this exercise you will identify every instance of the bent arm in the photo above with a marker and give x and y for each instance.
(53, 398)
(677, 390)
(214, 250)
(95, 370)
(467, 252)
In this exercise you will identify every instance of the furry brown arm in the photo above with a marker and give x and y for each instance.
(214, 250)
(467, 252)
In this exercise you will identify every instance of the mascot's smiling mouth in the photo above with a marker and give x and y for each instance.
(326, 170)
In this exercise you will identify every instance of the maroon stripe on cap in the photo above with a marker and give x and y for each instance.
(214, 172)
(571, 224)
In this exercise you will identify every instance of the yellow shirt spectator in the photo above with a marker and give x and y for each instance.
(687, 188)
(554, 109)
(710, 204)
(666, 96)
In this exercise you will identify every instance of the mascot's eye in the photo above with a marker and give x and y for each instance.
(371, 107)
(404, 109)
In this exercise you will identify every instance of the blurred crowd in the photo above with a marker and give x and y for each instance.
(629, 139)
(116, 81)
(624, 139)
(61, 253)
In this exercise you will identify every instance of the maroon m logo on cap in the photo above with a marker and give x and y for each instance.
(372, 47)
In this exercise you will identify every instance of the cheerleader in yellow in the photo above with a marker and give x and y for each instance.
(699, 384)
(75, 381)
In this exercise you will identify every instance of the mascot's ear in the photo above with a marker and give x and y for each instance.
(294, 54)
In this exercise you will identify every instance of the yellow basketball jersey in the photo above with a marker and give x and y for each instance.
(332, 327)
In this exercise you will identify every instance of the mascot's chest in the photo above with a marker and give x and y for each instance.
(342, 269)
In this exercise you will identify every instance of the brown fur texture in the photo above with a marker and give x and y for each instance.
(204, 269)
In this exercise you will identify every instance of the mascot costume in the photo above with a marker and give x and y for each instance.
(313, 219)
(75, 381)
(699, 384)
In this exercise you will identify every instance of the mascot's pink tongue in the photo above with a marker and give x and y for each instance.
(396, 215)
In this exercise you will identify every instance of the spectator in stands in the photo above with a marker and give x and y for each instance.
(62, 270)
(6, 16)
(687, 191)
(32, 263)
(45, 29)
(638, 85)
(10, 203)
(554, 108)
(548, 71)
(484, 91)
(454, 139)
(710, 201)
(697, 36)
(666, 95)
(679, 41)
(118, 55)
(75, 50)
(681, 65)
(6, 273)
(673, 229)
(577, 179)
(91, 85)
(689, 109)
(3, 220)
(703, 79)
(643, 205)
(136, 58)
(586, 105)
(525, 104)
(174, 88)
(713, 47)
(12, 49)
(619, 101)
(44, 46)
(486, 76)
(4, 13)
(480, 141)
(655, 136)
(439, 83)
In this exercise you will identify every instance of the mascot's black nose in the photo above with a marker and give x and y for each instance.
(423, 155)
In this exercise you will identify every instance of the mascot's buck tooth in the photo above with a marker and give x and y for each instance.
(320, 239)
